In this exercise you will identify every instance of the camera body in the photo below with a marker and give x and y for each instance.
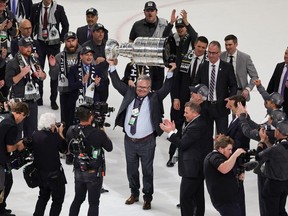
(100, 110)
(244, 159)
(20, 158)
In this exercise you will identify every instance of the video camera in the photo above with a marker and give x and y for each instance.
(20, 158)
(244, 162)
(100, 110)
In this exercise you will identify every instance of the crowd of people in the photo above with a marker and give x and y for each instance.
(206, 85)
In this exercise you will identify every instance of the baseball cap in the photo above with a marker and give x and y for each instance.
(98, 26)
(179, 23)
(282, 127)
(25, 41)
(69, 35)
(277, 116)
(92, 11)
(276, 98)
(86, 49)
(200, 89)
(150, 5)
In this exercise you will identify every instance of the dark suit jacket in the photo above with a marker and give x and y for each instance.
(129, 94)
(82, 33)
(275, 82)
(24, 8)
(60, 17)
(236, 133)
(192, 148)
(226, 84)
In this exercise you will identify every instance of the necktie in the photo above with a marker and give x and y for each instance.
(194, 70)
(137, 104)
(45, 18)
(89, 35)
(231, 60)
(212, 84)
(284, 81)
(13, 8)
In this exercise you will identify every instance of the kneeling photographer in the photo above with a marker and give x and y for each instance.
(86, 143)
(275, 169)
(47, 142)
(8, 144)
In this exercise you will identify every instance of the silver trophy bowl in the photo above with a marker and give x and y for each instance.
(143, 51)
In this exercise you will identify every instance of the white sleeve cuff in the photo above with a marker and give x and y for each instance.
(169, 74)
(172, 132)
(111, 68)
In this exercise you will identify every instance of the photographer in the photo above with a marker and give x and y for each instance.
(275, 170)
(47, 142)
(221, 182)
(87, 145)
(8, 144)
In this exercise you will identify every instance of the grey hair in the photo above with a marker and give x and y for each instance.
(46, 120)
(144, 77)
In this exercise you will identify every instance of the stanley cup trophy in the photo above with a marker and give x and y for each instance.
(144, 50)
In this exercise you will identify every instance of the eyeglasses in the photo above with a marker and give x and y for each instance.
(143, 87)
(212, 53)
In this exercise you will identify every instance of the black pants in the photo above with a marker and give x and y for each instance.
(54, 188)
(86, 182)
(48, 50)
(275, 195)
(67, 109)
(29, 125)
(8, 185)
(192, 200)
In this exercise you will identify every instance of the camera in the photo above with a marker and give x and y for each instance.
(100, 111)
(244, 162)
(58, 124)
(20, 158)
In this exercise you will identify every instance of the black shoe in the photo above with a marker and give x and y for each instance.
(170, 163)
(54, 106)
(103, 190)
(40, 102)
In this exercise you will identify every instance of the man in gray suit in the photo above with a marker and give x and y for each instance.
(243, 66)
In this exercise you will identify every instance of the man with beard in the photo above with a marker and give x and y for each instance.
(97, 44)
(84, 33)
(22, 75)
(59, 69)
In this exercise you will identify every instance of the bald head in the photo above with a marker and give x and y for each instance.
(25, 27)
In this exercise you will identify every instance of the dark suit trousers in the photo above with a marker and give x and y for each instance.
(48, 50)
(192, 200)
(67, 109)
(143, 151)
(221, 121)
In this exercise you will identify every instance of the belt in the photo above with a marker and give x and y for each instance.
(135, 140)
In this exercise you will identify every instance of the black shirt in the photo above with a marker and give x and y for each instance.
(223, 188)
(46, 148)
(8, 128)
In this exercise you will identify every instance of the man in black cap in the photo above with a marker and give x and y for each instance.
(84, 33)
(59, 69)
(276, 170)
(23, 76)
(85, 80)
(97, 44)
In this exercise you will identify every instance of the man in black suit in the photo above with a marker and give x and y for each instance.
(140, 114)
(20, 8)
(191, 147)
(46, 17)
(84, 33)
(220, 78)
(240, 141)
(278, 81)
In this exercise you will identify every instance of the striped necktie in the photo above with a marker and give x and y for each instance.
(212, 84)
